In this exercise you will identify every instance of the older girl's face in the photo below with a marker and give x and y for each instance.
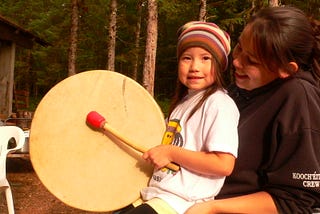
(249, 72)
(196, 69)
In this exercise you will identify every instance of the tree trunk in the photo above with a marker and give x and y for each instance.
(112, 35)
(137, 42)
(73, 38)
(203, 10)
(151, 47)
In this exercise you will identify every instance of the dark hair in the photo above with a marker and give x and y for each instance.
(181, 90)
(284, 34)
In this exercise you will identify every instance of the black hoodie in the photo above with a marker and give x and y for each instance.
(279, 150)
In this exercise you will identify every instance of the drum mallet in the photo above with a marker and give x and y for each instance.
(97, 121)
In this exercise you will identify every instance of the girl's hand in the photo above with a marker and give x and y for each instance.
(159, 156)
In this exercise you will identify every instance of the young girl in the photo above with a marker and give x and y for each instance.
(201, 134)
(277, 73)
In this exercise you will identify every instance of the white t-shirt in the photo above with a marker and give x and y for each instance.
(213, 127)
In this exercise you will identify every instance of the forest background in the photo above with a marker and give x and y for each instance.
(39, 69)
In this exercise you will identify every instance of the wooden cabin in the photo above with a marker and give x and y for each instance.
(11, 36)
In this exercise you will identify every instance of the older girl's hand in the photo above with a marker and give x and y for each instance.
(203, 208)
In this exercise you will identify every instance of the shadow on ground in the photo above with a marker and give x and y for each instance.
(29, 194)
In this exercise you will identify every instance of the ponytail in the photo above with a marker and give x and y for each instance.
(316, 48)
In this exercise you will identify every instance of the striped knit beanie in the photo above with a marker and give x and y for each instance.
(206, 35)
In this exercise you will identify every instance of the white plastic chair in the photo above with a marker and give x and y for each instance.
(6, 134)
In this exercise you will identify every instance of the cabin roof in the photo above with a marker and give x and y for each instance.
(11, 31)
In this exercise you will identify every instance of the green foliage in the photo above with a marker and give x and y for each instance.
(50, 20)
(164, 104)
(311, 7)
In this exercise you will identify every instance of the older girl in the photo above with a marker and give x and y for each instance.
(277, 91)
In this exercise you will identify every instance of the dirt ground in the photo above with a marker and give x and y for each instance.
(29, 194)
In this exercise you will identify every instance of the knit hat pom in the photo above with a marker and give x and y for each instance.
(206, 35)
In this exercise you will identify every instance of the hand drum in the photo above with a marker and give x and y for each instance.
(85, 168)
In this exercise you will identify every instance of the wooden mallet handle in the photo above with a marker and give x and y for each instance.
(97, 121)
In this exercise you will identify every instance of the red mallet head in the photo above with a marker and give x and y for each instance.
(95, 120)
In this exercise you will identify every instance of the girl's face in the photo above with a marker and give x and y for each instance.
(249, 72)
(196, 70)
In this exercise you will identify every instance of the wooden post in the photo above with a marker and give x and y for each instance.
(7, 57)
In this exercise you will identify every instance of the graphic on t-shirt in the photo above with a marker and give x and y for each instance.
(172, 134)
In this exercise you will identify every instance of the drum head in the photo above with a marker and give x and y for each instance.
(85, 168)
